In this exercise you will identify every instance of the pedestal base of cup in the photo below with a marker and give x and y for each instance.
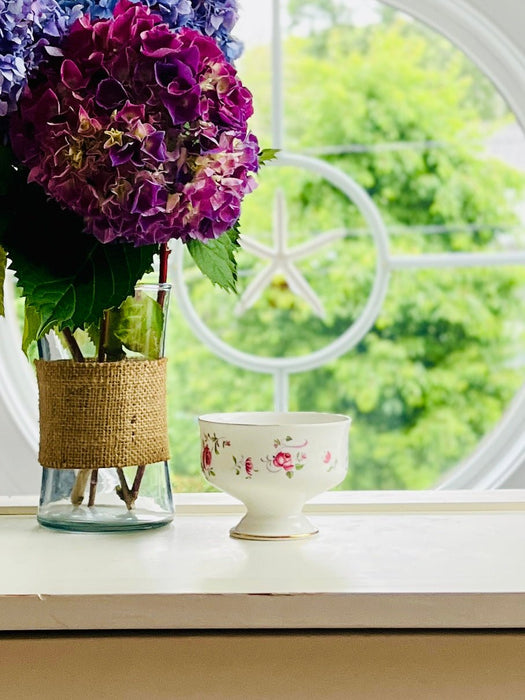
(288, 527)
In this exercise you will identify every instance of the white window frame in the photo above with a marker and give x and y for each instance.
(501, 454)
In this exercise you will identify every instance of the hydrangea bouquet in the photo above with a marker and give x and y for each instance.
(123, 125)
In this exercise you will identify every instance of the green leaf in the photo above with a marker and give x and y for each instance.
(299, 466)
(3, 265)
(54, 301)
(101, 279)
(67, 276)
(32, 323)
(289, 475)
(267, 154)
(216, 258)
(137, 324)
(93, 331)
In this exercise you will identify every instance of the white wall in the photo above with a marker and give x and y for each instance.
(20, 472)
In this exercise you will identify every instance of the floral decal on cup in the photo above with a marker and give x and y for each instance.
(289, 457)
(327, 459)
(207, 452)
(206, 459)
(244, 466)
(283, 460)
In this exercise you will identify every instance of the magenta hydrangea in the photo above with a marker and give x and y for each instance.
(140, 130)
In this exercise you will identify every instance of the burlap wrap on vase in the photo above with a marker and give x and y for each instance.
(102, 414)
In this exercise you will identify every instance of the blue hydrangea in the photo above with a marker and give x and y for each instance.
(215, 15)
(176, 13)
(12, 80)
(97, 9)
(26, 28)
(216, 18)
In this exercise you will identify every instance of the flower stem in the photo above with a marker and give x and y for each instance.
(77, 494)
(124, 491)
(93, 487)
(164, 253)
(73, 345)
(101, 355)
(136, 482)
(81, 479)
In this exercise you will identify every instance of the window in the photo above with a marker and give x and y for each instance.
(399, 300)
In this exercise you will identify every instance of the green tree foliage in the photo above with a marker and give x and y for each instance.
(316, 13)
(442, 360)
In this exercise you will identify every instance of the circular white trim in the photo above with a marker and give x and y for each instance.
(480, 39)
(354, 333)
(501, 453)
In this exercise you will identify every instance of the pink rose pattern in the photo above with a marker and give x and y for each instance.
(244, 465)
(287, 458)
(217, 444)
(206, 457)
(284, 460)
(248, 466)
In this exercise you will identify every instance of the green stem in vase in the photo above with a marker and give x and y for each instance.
(164, 252)
(101, 355)
(77, 493)
(105, 354)
(93, 473)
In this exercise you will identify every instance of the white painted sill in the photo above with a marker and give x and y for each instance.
(387, 560)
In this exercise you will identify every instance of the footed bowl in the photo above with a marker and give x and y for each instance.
(274, 463)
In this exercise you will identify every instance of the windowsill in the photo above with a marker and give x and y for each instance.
(424, 560)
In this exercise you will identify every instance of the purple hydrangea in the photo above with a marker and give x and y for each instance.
(214, 18)
(26, 28)
(140, 130)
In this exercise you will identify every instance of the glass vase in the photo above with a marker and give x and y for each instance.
(103, 421)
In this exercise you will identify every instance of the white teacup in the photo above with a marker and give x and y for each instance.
(274, 463)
